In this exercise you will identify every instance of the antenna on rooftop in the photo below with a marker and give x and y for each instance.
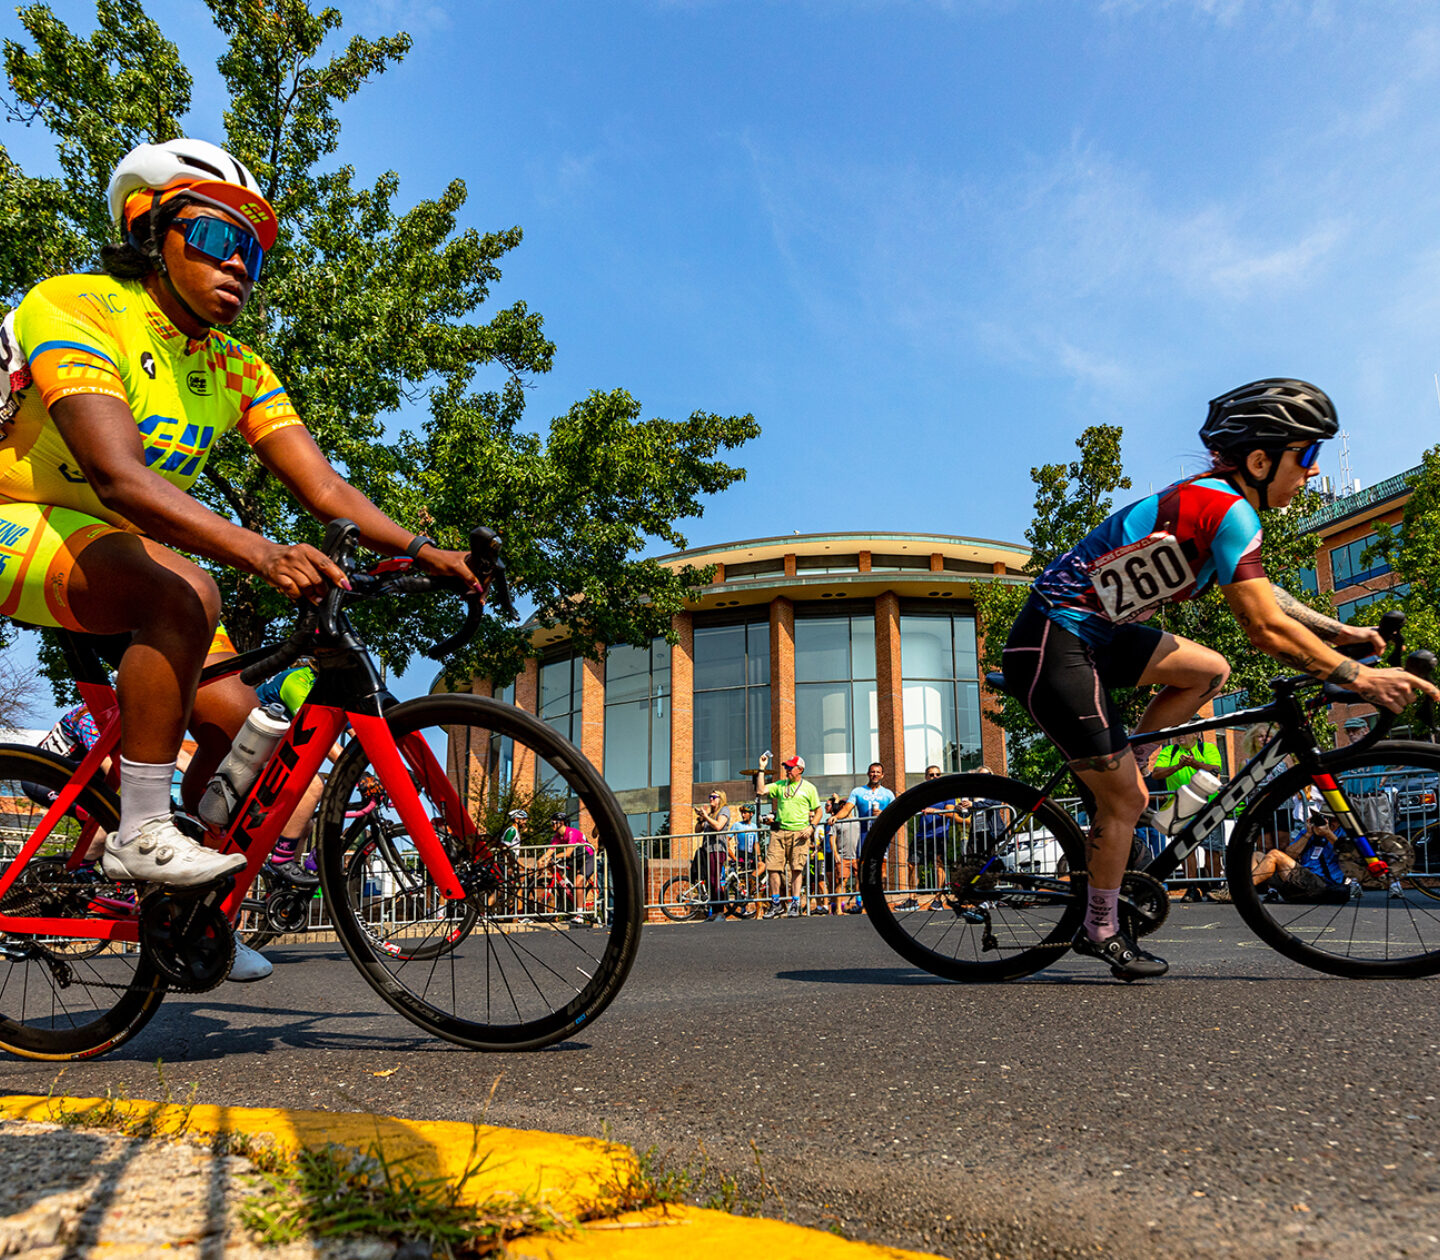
(1347, 482)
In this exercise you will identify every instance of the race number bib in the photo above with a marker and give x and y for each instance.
(1132, 582)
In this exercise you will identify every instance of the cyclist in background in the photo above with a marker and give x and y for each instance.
(133, 382)
(1081, 630)
(569, 847)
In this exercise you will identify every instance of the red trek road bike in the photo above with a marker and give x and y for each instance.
(85, 963)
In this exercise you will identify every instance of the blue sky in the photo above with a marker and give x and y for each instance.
(927, 242)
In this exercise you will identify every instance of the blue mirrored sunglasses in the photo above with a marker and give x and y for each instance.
(1308, 456)
(220, 240)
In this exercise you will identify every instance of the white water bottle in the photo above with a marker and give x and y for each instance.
(1188, 800)
(236, 775)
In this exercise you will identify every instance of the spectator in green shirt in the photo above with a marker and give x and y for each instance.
(1178, 763)
(797, 813)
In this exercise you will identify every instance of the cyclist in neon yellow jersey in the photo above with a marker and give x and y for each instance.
(134, 380)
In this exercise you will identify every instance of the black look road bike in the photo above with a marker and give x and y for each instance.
(85, 962)
(1010, 909)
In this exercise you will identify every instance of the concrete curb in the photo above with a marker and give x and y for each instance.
(570, 1174)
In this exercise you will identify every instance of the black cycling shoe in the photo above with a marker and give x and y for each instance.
(1127, 960)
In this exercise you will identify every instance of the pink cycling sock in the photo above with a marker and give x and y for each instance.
(1102, 913)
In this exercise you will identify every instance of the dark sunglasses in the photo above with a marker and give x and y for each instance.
(1307, 456)
(220, 240)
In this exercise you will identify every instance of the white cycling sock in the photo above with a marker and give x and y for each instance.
(144, 794)
(1102, 913)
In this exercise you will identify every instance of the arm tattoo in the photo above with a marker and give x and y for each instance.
(1344, 673)
(1319, 624)
(1297, 660)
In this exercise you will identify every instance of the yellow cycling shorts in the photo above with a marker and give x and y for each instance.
(39, 547)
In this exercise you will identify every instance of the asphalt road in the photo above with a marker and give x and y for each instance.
(1240, 1106)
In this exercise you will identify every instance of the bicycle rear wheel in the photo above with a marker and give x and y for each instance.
(504, 983)
(1363, 926)
(61, 997)
(1000, 911)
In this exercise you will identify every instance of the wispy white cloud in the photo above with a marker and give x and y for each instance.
(417, 17)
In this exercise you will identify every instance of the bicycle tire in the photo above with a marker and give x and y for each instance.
(996, 921)
(111, 994)
(681, 901)
(375, 854)
(1392, 930)
(506, 985)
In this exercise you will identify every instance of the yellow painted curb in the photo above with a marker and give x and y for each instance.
(662, 1234)
(567, 1173)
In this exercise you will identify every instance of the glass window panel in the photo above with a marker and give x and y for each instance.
(925, 650)
(866, 718)
(822, 649)
(557, 682)
(862, 647)
(929, 710)
(968, 725)
(966, 660)
(719, 657)
(660, 667)
(719, 735)
(758, 671)
(758, 725)
(627, 745)
(627, 674)
(823, 729)
(660, 741)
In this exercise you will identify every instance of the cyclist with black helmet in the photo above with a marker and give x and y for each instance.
(1082, 629)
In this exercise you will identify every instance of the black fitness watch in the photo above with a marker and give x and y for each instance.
(420, 540)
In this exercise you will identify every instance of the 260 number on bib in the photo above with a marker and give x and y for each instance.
(1133, 581)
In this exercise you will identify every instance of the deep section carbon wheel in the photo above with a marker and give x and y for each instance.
(60, 996)
(1338, 916)
(482, 971)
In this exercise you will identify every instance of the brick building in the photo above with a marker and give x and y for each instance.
(845, 648)
(1347, 530)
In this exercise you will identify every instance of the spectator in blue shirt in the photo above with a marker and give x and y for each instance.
(746, 837)
(929, 841)
(865, 802)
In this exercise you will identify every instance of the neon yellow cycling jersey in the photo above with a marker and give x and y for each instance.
(93, 334)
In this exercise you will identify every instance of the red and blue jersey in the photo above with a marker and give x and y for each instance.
(1164, 549)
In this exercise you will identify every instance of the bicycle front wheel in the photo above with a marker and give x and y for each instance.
(1335, 915)
(482, 974)
(65, 997)
(680, 900)
(993, 910)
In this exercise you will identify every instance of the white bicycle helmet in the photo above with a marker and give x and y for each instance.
(152, 174)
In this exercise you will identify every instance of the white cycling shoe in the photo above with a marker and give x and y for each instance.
(249, 964)
(163, 854)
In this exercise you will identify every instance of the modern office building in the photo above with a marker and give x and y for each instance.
(845, 648)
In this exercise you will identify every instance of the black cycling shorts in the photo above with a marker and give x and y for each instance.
(1062, 681)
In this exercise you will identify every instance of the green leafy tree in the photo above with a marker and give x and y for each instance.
(1413, 553)
(367, 309)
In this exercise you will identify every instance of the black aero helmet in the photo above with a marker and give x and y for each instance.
(1269, 414)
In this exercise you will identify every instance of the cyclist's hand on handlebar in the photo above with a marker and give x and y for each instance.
(300, 571)
(448, 564)
(1367, 635)
(1391, 689)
